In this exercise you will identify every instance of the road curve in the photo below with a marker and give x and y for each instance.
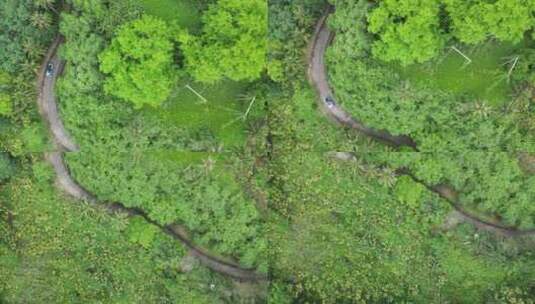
(317, 75)
(47, 101)
(64, 181)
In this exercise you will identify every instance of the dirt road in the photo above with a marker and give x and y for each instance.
(47, 99)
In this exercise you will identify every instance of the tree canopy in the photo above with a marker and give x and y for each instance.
(476, 20)
(139, 62)
(415, 31)
(232, 43)
(409, 32)
(25, 27)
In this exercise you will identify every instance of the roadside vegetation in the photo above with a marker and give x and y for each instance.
(199, 113)
(351, 227)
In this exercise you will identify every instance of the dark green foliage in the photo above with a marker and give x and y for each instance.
(354, 231)
(25, 29)
(345, 237)
(6, 103)
(6, 167)
(331, 230)
(216, 213)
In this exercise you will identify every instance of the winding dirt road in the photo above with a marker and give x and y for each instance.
(64, 181)
(317, 75)
(47, 100)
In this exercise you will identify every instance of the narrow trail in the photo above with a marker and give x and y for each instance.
(317, 75)
(65, 182)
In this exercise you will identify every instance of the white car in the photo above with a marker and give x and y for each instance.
(49, 70)
(330, 102)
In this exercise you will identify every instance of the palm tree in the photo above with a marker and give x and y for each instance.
(208, 165)
(46, 4)
(41, 20)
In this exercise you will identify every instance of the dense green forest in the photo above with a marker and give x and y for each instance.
(209, 151)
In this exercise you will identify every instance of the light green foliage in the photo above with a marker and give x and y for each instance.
(139, 62)
(474, 21)
(232, 44)
(43, 172)
(53, 250)
(416, 31)
(289, 23)
(409, 31)
(33, 139)
(139, 157)
(6, 104)
(433, 116)
(340, 234)
(408, 191)
(141, 232)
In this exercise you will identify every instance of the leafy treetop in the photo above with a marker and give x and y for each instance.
(232, 44)
(409, 32)
(139, 62)
(415, 31)
(475, 20)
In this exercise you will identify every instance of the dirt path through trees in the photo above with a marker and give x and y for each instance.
(317, 75)
(65, 182)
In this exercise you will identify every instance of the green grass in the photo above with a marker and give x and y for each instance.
(186, 13)
(221, 113)
(485, 78)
